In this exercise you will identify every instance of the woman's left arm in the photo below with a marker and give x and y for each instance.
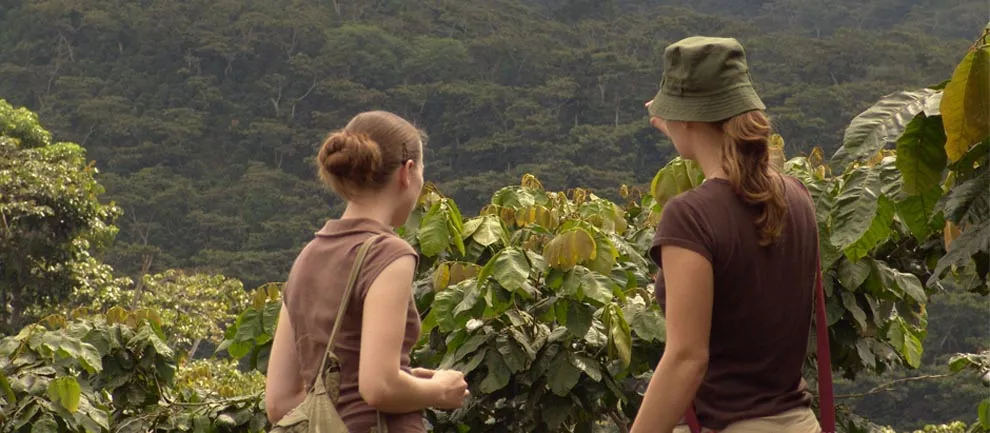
(284, 387)
(690, 290)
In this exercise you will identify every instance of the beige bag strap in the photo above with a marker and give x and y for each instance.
(344, 301)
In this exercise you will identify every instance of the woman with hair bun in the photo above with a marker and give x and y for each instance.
(738, 258)
(376, 164)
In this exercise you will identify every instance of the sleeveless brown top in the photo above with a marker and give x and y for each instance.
(761, 313)
(312, 296)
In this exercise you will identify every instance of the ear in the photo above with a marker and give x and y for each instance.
(657, 123)
(406, 171)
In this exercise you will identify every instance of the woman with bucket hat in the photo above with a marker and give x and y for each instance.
(738, 258)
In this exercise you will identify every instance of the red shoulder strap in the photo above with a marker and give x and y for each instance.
(826, 402)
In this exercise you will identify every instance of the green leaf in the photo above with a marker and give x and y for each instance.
(959, 362)
(620, 336)
(849, 302)
(498, 374)
(45, 424)
(880, 229)
(984, 413)
(562, 375)
(67, 347)
(474, 362)
(434, 232)
(921, 155)
(646, 321)
(880, 125)
(969, 203)
(579, 316)
(853, 274)
(511, 269)
(867, 356)
(489, 231)
(65, 391)
(855, 207)
(512, 355)
(975, 239)
(8, 392)
(965, 106)
(596, 286)
(905, 342)
(918, 210)
(587, 365)
(901, 281)
(677, 176)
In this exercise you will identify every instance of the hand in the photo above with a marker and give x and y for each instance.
(648, 103)
(422, 373)
(453, 388)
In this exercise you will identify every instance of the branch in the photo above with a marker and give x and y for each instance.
(879, 388)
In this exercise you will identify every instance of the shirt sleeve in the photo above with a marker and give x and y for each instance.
(683, 225)
(385, 251)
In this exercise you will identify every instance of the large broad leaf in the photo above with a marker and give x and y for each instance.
(8, 392)
(849, 302)
(66, 392)
(67, 347)
(434, 232)
(648, 323)
(579, 316)
(901, 282)
(983, 412)
(677, 176)
(588, 365)
(905, 342)
(917, 212)
(562, 375)
(880, 229)
(45, 424)
(498, 374)
(921, 154)
(511, 269)
(965, 107)
(975, 239)
(880, 125)
(969, 203)
(619, 334)
(853, 274)
(568, 249)
(855, 207)
(489, 231)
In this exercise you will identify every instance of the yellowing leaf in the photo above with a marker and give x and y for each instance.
(965, 104)
(570, 248)
(66, 392)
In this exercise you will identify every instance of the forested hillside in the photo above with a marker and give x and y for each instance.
(202, 117)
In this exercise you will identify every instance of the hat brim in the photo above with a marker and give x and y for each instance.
(708, 108)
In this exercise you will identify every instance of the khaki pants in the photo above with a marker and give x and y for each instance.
(800, 420)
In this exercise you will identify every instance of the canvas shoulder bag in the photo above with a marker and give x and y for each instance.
(318, 412)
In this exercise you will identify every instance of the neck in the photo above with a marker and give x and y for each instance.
(368, 210)
(709, 156)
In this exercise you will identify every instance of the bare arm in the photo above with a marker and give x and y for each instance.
(380, 381)
(690, 290)
(284, 387)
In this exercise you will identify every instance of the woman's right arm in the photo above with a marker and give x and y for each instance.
(381, 382)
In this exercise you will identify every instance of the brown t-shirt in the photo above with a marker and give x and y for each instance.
(761, 315)
(312, 297)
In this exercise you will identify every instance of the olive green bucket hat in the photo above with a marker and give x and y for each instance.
(705, 79)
